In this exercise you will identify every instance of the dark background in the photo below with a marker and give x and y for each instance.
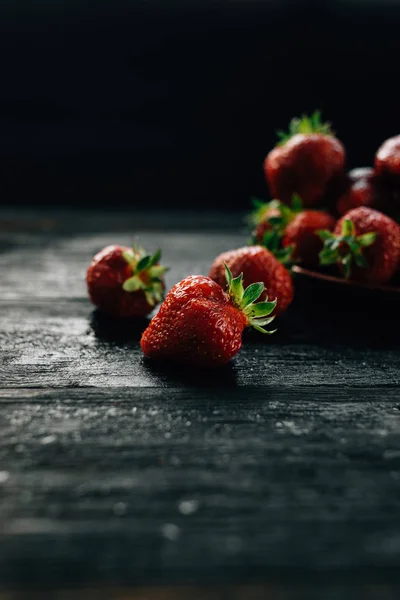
(135, 103)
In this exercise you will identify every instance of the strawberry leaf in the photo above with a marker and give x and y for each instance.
(228, 275)
(275, 220)
(346, 264)
(251, 293)
(305, 125)
(262, 309)
(271, 240)
(348, 228)
(360, 260)
(366, 239)
(325, 235)
(257, 203)
(141, 263)
(284, 255)
(345, 248)
(263, 322)
(328, 257)
(133, 284)
(237, 288)
(245, 300)
(297, 204)
(262, 330)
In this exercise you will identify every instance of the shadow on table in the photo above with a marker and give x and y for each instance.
(329, 315)
(125, 331)
(174, 374)
(111, 329)
(352, 316)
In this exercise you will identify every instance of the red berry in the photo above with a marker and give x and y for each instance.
(200, 324)
(365, 244)
(301, 233)
(364, 188)
(257, 264)
(305, 163)
(124, 282)
(387, 159)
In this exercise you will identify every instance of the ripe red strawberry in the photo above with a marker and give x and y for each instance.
(387, 159)
(301, 233)
(305, 162)
(364, 188)
(365, 244)
(125, 282)
(257, 264)
(200, 324)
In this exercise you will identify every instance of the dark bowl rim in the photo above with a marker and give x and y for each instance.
(393, 289)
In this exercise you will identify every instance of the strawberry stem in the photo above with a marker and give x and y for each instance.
(146, 274)
(257, 313)
(277, 225)
(345, 249)
(305, 125)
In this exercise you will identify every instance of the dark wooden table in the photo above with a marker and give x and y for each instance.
(278, 476)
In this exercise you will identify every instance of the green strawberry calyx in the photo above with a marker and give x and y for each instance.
(345, 249)
(273, 236)
(256, 313)
(147, 274)
(306, 125)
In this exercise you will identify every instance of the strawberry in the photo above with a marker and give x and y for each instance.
(305, 161)
(269, 221)
(200, 324)
(365, 244)
(364, 188)
(387, 159)
(125, 282)
(301, 233)
(257, 264)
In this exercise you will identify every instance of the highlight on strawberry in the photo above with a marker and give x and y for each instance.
(306, 161)
(201, 324)
(365, 245)
(387, 159)
(125, 282)
(363, 187)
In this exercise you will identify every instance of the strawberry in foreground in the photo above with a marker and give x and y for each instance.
(257, 264)
(200, 324)
(125, 282)
(305, 162)
(301, 234)
(365, 244)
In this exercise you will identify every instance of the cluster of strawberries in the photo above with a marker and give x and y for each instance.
(198, 322)
(202, 319)
(357, 230)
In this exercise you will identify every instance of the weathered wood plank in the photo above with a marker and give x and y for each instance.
(325, 586)
(283, 466)
(183, 483)
(63, 344)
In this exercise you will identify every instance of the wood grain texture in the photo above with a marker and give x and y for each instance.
(283, 466)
